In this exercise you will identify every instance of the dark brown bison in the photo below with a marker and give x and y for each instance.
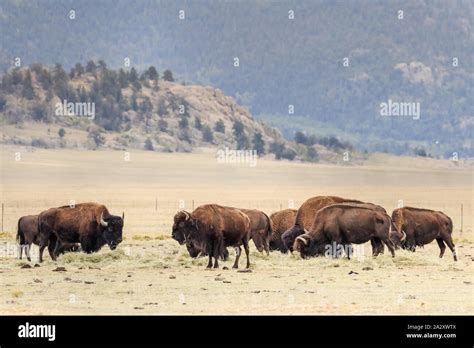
(213, 227)
(260, 229)
(89, 224)
(281, 222)
(27, 234)
(422, 226)
(344, 224)
(305, 216)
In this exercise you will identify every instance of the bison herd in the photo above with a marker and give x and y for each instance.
(322, 226)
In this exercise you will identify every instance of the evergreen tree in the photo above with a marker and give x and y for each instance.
(28, 92)
(219, 126)
(258, 143)
(207, 134)
(122, 78)
(61, 133)
(197, 123)
(91, 67)
(152, 73)
(133, 102)
(183, 122)
(149, 145)
(168, 76)
(79, 69)
(240, 136)
(300, 138)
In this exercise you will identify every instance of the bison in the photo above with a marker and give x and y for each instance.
(346, 224)
(305, 216)
(281, 221)
(260, 229)
(89, 224)
(422, 226)
(213, 227)
(27, 234)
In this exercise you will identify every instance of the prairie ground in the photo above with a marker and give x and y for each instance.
(152, 274)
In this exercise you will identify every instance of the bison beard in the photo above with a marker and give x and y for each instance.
(89, 224)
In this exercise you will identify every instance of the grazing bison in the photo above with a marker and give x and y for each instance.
(422, 226)
(281, 221)
(213, 227)
(89, 224)
(305, 216)
(28, 234)
(344, 224)
(260, 229)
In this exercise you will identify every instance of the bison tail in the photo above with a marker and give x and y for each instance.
(20, 236)
(450, 225)
(269, 226)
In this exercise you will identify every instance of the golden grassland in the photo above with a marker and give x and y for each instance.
(152, 274)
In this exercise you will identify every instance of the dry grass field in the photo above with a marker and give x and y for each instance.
(151, 274)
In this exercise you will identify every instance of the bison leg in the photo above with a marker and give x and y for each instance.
(217, 253)
(267, 246)
(348, 249)
(389, 245)
(247, 252)
(377, 246)
(27, 251)
(449, 241)
(209, 252)
(41, 249)
(238, 251)
(442, 247)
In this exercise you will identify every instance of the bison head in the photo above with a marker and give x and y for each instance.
(307, 247)
(183, 225)
(112, 227)
(288, 238)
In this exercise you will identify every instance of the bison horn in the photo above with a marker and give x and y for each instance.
(404, 236)
(186, 214)
(123, 215)
(305, 242)
(305, 230)
(102, 221)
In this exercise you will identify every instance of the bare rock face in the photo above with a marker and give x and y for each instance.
(209, 105)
